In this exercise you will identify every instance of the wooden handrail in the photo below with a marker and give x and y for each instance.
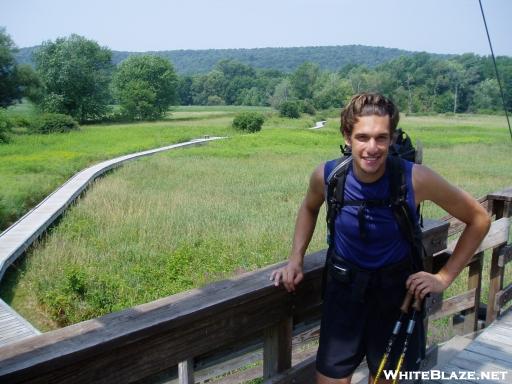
(143, 341)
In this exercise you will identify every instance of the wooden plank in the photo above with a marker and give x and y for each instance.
(186, 372)
(505, 256)
(472, 360)
(495, 285)
(474, 282)
(277, 349)
(13, 327)
(491, 351)
(454, 305)
(503, 195)
(302, 373)
(497, 235)
(503, 297)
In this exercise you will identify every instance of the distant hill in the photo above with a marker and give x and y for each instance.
(283, 59)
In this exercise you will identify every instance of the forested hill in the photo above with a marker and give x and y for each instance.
(283, 59)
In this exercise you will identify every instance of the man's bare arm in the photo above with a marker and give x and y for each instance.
(428, 185)
(292, 273)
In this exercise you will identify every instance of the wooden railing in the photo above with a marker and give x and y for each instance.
(181, 332)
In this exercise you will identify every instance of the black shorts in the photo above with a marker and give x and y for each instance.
(353, 328)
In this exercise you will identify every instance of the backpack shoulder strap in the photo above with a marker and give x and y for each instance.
(398, 197)
(334, 196)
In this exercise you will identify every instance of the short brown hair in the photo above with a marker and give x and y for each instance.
(368, 104)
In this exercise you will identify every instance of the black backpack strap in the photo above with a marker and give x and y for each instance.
(334, 200)
(403, 216)
(334, 197)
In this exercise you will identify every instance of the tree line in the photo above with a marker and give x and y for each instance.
(284, 59)
(75, 76)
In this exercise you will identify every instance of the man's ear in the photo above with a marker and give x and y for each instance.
(347, 140)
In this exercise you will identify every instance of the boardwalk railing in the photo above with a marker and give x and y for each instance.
(139, 344)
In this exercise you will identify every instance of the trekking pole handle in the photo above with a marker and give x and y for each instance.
(407, 302)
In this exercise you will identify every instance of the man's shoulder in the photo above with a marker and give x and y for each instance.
(331, 167)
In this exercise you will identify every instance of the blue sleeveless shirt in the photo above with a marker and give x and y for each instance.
(384, 244)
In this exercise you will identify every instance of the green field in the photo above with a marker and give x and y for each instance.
(185, 218)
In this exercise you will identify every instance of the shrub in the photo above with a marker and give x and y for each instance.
(248, 121)
(54, 122)
(215, 100)
(5, 128)
(290, 109)
(21, 121)
(307, 107)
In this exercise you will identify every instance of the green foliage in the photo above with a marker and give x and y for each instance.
(53, 123)
(308, 107)
(16, 81)
(75, 73)
(145, 87)
(248, 121)
(5, 127)
(304, 80)
(215, 100)
(290, 109)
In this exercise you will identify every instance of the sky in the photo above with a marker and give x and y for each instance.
(437, 26)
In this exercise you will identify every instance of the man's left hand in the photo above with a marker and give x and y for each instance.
(422, 283)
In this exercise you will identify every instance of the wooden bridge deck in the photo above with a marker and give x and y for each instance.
(19, 236)
(13, 327)
(489, 356)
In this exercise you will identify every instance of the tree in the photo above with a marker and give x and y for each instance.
(75, 73)
(303, 80)
(145, 86)
(334, 92)
(184, 90)
(16, 81)
(283, 92)
(487, 96)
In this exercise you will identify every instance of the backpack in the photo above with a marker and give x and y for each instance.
(401, 148)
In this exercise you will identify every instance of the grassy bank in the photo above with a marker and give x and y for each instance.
(185, 218)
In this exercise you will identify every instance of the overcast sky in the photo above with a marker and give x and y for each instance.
(440, 26)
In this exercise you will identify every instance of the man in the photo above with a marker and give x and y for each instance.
(357, 318)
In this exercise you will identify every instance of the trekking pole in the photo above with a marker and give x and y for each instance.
(404, 309)
(410, 327)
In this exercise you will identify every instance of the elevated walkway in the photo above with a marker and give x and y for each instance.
(488, 356)
(13, 327)
(18, 237)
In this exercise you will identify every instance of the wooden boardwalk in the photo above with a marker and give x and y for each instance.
(487, 359)
(13, 327)
(19, 236)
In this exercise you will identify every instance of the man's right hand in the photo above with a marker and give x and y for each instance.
(290, 275)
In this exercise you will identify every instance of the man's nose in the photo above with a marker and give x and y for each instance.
(372, 144)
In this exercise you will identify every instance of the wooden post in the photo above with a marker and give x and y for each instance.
(501, 207)
(186, 372)
(435, 235)
(474, 282)
(277, 348)
(495, 285)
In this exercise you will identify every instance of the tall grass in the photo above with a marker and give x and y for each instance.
(185, 218)
(31, 166)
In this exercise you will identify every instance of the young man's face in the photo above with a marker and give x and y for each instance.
(370, 141)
